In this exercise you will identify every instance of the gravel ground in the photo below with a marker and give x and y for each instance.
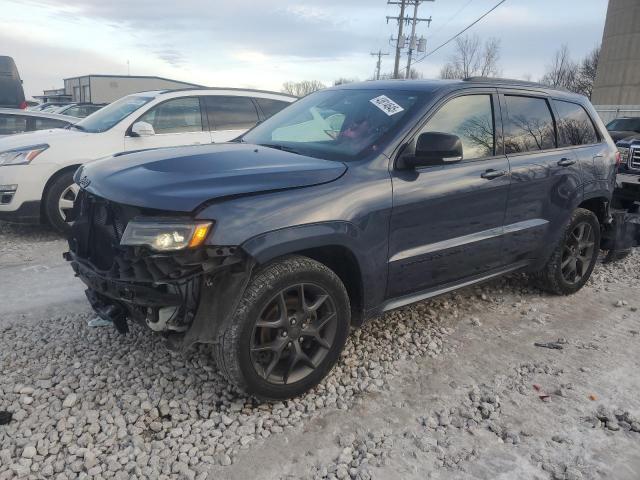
(89, 403)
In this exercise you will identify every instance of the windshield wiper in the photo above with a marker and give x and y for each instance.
(280, 147)
(79, 127)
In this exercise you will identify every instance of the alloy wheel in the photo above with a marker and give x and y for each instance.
(578, 253)
(293, 334)
(68, 196)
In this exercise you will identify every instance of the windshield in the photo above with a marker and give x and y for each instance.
(108, 116)
(625, 124)
(337, 124)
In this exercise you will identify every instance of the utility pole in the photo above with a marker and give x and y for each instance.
(400, 39)
(378, 54)
(412, 39)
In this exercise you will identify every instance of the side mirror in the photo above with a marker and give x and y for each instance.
(434, 148)
(142, 129)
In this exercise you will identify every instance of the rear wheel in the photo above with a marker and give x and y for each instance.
(288, 330)
(574, 258)
(58, 201)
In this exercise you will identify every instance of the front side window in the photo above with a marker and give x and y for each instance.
(528, 126)
(179, 115)
(339, 124)
(115, 112)
(231, 112)
(574, 125)
(469, 117)
(10, 124)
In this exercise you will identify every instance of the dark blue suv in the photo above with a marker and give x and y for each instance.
(352, 201)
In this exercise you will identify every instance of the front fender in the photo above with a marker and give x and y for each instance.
(370, 257)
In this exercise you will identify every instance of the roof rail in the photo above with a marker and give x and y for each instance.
(503, 80)
(251, 90)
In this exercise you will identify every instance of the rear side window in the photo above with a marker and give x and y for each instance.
(528, 126)
(270, 107)
(471, 118)
(45, 123)
(180, 115)
(10, 124)
(231, 112)
(574, 125)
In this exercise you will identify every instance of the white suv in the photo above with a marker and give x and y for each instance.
(36, 169)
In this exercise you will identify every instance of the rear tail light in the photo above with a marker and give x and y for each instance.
(23, 106)
(618, 159)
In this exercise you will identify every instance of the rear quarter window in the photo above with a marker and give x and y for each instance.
(575, 127)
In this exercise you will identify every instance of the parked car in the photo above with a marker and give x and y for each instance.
(623, 127)
(353, 201)
(79, 110)
(39, 166)
(48, 106)
(11, 91)
(14, 121)
(628, 179)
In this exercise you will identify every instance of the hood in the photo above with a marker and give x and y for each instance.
(38, 137)
(627, 140)
(180, 179)
(621, 134)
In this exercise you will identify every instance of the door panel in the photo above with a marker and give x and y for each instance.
(541, 197)
(446, 224)
(545, 180)
(447, 220)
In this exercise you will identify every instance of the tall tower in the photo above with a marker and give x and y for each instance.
(618, 75)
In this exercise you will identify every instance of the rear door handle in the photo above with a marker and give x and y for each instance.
(491, 174)
(566, 162)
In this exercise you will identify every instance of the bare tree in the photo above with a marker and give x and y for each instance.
(472, 57)
(300, 89)
(587, 73)
(574, 76)
(562, 72)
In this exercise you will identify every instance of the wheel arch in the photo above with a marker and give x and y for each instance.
(597, 204)
(333, 244)
(52, 178)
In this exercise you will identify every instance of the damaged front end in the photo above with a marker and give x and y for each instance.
(187, 294)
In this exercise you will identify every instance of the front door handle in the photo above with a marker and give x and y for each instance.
(491, 174)
(566, 162)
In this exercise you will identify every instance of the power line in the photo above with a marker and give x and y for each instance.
(461, 31)
(439, 29)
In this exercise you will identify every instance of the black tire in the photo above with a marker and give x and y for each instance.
(551, 278)
(234, 353)
(52, 197)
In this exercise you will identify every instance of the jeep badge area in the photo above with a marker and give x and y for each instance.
(350, 202)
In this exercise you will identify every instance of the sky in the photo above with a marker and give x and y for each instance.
(264, 43)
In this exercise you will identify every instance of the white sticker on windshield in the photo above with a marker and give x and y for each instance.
(387, 105)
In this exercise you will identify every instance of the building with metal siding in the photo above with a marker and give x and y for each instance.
(107, 88)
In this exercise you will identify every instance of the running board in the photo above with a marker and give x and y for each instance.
(425, 294)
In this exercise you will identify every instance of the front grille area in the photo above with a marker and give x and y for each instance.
(95, 240)
(634, 158)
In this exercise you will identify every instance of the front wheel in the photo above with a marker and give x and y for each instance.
(58, 201)
(574, 258)
(288, 330)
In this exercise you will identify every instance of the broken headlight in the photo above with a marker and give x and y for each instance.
(165, 236)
